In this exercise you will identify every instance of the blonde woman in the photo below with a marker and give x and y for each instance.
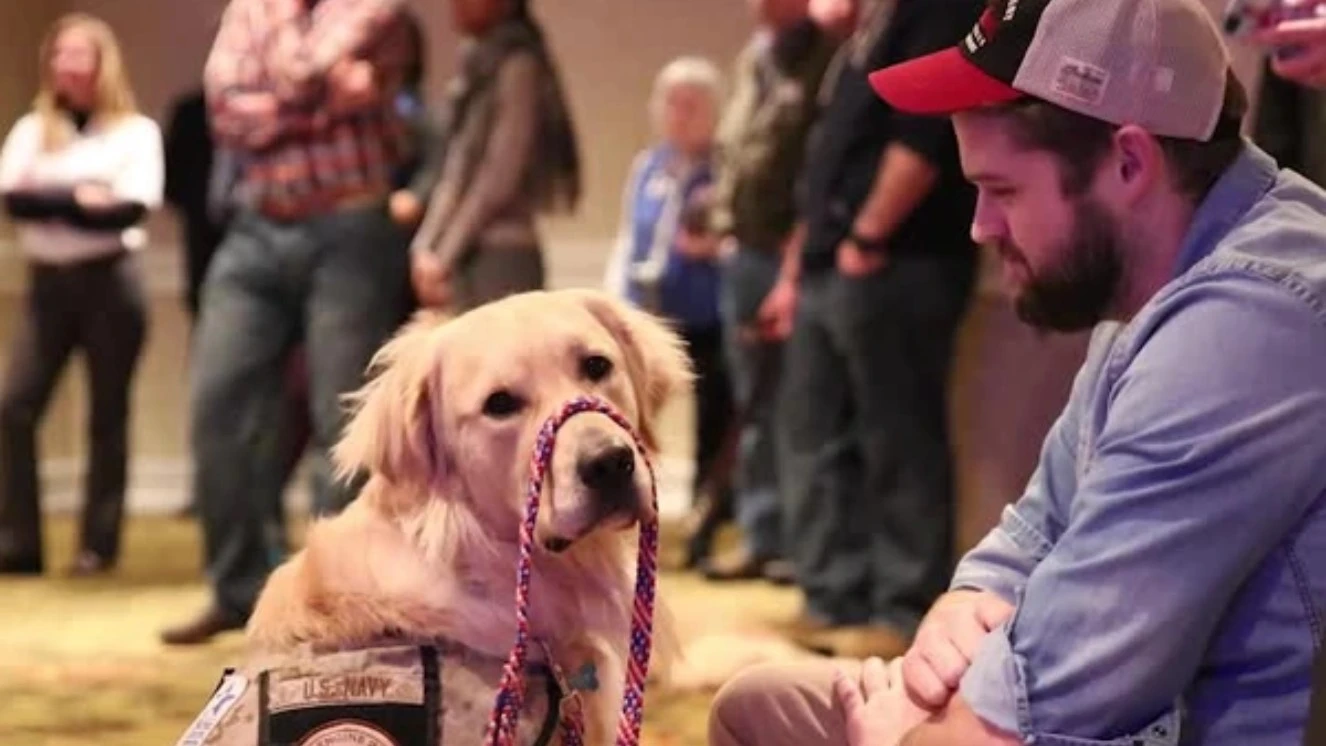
(78, 174)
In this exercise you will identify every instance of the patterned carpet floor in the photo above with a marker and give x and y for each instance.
(80, 664)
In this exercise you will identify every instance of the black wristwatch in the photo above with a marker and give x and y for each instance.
(868, 245)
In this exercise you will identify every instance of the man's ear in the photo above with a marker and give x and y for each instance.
(659, 366)
(1138, 163)
(393, 432)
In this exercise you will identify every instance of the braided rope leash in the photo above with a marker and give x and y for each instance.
(511, 695)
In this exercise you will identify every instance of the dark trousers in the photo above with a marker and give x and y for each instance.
(203, 237)
(865, 465)
(339, 284)
(713, 396)
(96, 306)
(754, 366)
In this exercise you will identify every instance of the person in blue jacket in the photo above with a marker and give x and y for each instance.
(666, 257)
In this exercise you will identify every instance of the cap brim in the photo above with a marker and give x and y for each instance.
(940, 83)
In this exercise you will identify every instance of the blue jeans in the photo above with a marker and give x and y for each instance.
(754, 367)
(338, 283)
(865, 468)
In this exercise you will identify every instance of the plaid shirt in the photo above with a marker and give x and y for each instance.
(269, 100)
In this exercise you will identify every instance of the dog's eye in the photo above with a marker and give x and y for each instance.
(595, 367)
(502, 404)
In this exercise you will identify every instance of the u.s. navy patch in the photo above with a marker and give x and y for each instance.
(348, 733)
(223, 699)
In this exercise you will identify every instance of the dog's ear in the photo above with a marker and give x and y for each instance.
(392, 431)
(660, 367)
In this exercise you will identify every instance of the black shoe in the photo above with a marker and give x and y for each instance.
(20, 565)
(201, 629)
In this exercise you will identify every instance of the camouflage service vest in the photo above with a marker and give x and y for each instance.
(407, 695)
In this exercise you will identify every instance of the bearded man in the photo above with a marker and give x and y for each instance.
(1161, 580)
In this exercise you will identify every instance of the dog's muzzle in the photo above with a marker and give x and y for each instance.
(610, 473)
(607, 490)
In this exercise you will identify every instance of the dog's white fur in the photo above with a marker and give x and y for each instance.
(430, 546)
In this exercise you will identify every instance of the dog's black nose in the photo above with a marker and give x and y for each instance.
(609, 470)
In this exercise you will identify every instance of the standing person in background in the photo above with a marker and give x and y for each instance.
(873, 295)
(762, 147)
(666, 258)
(78, 174)
(305, 93)
(412, 181)
(190, 155)
(511, 152)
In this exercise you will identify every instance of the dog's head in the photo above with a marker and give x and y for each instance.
(453, 410)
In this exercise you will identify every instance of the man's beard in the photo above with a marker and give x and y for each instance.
(1076, 293)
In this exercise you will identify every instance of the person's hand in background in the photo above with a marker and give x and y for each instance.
(431, 280)
(836, 17)
(91, 195)
(261, 111)
(352, 85)
(1298, 43)
(778, 311)
(700, 247)
(405, 208)
(855, 262)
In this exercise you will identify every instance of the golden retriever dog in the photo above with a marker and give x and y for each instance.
(444, 430)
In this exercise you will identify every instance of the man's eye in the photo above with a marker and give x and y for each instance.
(596, 367)
(501, 404)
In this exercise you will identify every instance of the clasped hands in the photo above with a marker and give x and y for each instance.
(887, 700)
(351, 85)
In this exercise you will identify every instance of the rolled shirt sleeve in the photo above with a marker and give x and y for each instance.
(1209, 452)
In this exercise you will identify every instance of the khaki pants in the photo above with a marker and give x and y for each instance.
(789, 704)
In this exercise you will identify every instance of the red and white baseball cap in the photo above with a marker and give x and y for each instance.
(1158, 64)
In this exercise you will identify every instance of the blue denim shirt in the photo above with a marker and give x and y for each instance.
(1168, 559)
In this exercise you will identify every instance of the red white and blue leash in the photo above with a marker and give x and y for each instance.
(511, 695)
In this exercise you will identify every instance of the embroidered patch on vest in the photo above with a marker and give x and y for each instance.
(367, 698)
(348, 733)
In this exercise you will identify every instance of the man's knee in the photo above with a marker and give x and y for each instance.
(779, 703)
(742, 703)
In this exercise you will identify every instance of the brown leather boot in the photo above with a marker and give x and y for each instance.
(202, 628)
